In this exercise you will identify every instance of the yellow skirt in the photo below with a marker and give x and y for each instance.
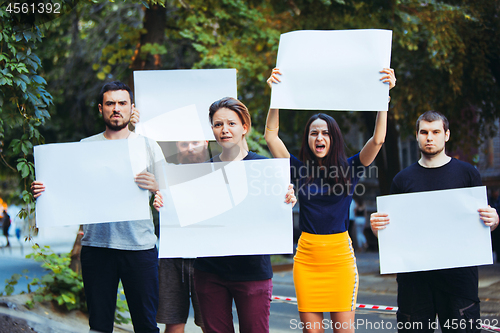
(325, 273)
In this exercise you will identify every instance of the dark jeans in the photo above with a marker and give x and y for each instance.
(419, 303)
(252, 300)
(102, 269)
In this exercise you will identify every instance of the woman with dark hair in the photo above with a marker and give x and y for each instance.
(245, 279)
(325, 272)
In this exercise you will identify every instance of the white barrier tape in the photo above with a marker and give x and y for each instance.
(358, 306)
(284, 299)
(392, 309)
(490, 328)
(376, 307)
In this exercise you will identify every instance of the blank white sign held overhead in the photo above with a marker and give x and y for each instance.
(91, 182)
(174, 103)
(333, 70)
(434, 230)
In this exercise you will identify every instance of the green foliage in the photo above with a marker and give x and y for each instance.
(446, 56)
(23, 99)
(12, 282)
(122, 51)
(95, 41)
(445, 53)
(256, 143)
(153, 49)
(60, 285)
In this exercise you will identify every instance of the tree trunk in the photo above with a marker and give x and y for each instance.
(155, 20)
(75, 263)
(387, 160)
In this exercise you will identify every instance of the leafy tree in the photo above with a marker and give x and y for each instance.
(23, 97)
(445, 54)
(446, 58)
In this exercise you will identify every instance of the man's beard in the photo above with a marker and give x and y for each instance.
(431, 153)
(192, 158)
(114, 127)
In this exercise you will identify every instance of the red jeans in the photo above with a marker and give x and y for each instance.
(215, 295)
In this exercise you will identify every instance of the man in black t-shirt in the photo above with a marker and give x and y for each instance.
(452, 294)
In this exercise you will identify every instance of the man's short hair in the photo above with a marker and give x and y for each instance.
(431, 116)
(113, 86)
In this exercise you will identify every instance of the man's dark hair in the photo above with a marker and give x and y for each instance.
(431, 116)
(113, 86)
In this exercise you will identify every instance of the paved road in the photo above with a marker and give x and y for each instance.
(285, 317)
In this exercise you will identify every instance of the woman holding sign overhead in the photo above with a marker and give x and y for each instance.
(325, 272)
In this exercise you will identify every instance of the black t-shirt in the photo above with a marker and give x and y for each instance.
(238, 268)
(461, 281)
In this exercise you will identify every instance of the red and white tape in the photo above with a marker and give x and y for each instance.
(391, 309)
(284, 299)
(490, 328)
(358, 306)
(377, 307)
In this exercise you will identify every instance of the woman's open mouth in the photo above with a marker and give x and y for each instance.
(320, 148)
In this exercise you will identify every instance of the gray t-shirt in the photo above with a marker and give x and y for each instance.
(127, 235)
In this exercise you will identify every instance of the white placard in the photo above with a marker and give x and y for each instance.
(434, 230)
(161, 127)
(174, 103)
(91, 182)
(226, 208)
(333, 70)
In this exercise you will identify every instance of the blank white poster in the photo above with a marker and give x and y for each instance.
(333, 70)
(434, 230)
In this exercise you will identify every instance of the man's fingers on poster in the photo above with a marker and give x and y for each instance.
(147, 181)
(489, 216)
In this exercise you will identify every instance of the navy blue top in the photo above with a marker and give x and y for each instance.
(324, 209)
(238, 268)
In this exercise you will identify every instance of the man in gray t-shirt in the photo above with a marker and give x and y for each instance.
(123, 250)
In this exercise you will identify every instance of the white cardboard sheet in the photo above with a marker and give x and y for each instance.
(226, 208)
(91, 182)
(174, 103)
(333, 70)
(158, 129)
(434, 230)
